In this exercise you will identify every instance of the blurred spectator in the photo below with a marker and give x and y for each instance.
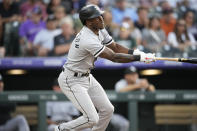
(121, 11)
(153, 36)
(124, 37)
(168, 50)
(132, 82)
(181, 38)
(155, 10)
(78, 4)
(190, 23)
(192, 4)
(106, 3)
(146, 3)
(142, 21)
(77, 23)
(110, 25)
(44, 40)
(94, 2)
(134, 32)
(168, 4)
(67, 4)
(185, 6)
(2, 51)
(52, 6)
(27, 7)
(1, 84)
(181, 9)
(9, 22)
(29, 29)
(60, 111)
(167, 21)
(119, 123)
(99, 3)
(7, 123)
(60, 15)
(63, 41)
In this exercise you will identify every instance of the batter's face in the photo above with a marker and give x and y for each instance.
(96, 23)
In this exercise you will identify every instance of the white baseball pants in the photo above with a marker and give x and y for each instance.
(86, 94)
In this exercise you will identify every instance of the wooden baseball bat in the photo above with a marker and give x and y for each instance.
(189, 60)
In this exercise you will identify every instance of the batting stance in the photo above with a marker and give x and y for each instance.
(76, 81)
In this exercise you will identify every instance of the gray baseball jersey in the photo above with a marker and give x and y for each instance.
(85, 92)
(85, 48)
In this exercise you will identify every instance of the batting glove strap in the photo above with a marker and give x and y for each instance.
(137, 52)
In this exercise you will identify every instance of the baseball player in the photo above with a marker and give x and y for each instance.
(76, 81)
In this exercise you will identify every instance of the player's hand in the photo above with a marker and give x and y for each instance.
(144, 83)
(137, 52)
(143, 55)
(147, 57)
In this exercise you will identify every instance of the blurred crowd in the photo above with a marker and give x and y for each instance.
(47, 27)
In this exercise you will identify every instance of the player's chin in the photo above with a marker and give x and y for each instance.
(102, 27)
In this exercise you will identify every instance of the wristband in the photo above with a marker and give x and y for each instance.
(130, 51)
(136, 57)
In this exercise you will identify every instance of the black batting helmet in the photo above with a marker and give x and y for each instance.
(89, 12)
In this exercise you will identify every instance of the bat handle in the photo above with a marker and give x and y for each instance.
(168, 59)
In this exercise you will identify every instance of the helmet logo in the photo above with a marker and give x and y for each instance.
(97, 8)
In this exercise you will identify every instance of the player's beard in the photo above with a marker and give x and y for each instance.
(100, 27)
(97, 28)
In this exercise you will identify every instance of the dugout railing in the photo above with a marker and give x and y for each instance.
(132, 98)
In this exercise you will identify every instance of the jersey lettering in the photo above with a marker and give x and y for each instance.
(76, 46)
(77, 39)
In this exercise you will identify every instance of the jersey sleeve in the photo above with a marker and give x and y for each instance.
(94, 47)
(107, 38)
(119, 85)
(172, 39)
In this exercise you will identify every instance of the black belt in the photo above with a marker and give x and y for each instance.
(76, 74)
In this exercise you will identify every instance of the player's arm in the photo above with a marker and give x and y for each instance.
(128, 88)
(108, 41)
(49, 122)
(109, 54)
(119, 49)
(118, 57)
(151, 88)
